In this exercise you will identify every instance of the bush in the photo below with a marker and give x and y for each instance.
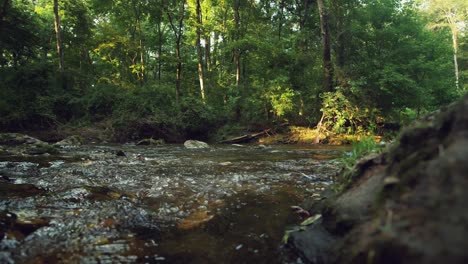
(342, 115)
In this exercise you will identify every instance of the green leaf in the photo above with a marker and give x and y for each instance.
(311, 220)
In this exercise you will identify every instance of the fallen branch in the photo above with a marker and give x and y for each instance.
(246, 138)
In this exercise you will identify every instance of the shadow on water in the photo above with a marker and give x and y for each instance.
(248, 229)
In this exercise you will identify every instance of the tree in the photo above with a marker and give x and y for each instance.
(452, 14)
(58, 35)
(176, 21)
(198, 24)
(326, 46)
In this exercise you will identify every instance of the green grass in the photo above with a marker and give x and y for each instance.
(365, 146)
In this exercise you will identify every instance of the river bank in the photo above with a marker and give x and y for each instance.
(405, 205)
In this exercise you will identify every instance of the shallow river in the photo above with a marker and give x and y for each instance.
(163, 204)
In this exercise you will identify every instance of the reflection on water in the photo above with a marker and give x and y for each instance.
(164, 204)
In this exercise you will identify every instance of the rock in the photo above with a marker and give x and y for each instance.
(151, 141)
(313, 244)
(120, 153)
(19, 144)
(195, 144)
(71, 141)
(15, 139)
(406, 206)
(42, 148)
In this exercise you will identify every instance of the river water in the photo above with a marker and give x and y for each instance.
(157, 204)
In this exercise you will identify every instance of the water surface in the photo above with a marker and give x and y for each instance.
(163, 204)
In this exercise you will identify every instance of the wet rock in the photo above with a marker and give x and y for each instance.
(313, 244)
(150, 141)
(195, 144)
(120, 153)
(71, 141)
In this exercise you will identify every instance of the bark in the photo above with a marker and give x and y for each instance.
(455, 56)
(208, 54)
(142, 52)
(58, 35)
(177, 29)
(327, 64)
(339, 11)
(214, 58)
(160, 38)
(280, 19)
(237, 52)
(237, 58)
(200, 51)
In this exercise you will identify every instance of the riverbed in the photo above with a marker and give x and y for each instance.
(157, 204)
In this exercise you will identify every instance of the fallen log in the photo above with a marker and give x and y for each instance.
(246, 138)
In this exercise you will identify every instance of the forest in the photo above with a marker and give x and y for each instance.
(176, 69)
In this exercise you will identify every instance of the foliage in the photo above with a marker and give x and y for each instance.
(341, 115)
(261, 61)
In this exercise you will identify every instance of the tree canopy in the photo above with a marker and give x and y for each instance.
(153, 68)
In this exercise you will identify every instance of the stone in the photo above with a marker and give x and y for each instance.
(15, 139)
(195, 144)
(313, 244)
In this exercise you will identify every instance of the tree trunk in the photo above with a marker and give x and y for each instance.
(142, 52)
(160, 38)
(199, 50)
(455, 56)
(238, 67)
(178, 39)
(213, 58)
(280, 19)
(178, 71)
(237, 52)
(208, 54)
(327, 64)
(58, 35)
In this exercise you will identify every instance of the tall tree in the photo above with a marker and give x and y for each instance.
(325, 32)
(452, 14)
(58, 35)
(199, 49)
(177, 24)
(237, 33)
